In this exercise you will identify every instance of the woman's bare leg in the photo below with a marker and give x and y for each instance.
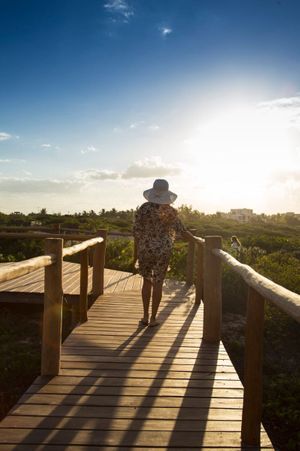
(146, 295)
(156, 298)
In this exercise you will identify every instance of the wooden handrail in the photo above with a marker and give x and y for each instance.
(260, 288)
(212, 291)
(29, 228)
(53, 294)
(199, 240)
(208, 287)
(44, 235)
(18, 269)
(285, 299)
(67, 251)
(75, 236)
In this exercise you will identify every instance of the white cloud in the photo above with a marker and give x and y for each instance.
(165, 31)
(121, 8)
(4, 136)
(154, 127)
(285, 102)
(97, 174)
(46, 146)
(287, 107)
(286, 176)
(135, 125)
(89, 149)
(12, 160)
(36, 186)
(283, 190)
(150, 167)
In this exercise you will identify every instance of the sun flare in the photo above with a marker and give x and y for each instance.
(240, 150)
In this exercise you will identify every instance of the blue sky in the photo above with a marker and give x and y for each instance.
(99, 98)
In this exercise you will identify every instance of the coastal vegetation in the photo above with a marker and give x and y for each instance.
(270, 245)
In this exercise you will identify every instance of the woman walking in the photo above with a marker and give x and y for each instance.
(155, 228)
(235, 245)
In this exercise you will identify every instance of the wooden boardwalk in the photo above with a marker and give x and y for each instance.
(30, 288)
(123, 387)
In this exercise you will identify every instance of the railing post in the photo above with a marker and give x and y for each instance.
(83, 298)
(190, 263)
(212, 290)
(253, 379)
(53, 300)
(98, 265)
(199, 272)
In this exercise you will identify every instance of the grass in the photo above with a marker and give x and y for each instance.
(20, 351)
(281, 373)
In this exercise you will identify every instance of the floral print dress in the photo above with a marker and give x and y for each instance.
(155, 229)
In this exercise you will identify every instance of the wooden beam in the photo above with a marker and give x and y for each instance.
(81, 247)
(98, 265)
(252, 406)
(212, 291)
(190, 263)
(199, 272)
(83, 298)
(53, 299)
(286, 300)
(24, 267)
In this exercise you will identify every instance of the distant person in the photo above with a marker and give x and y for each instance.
(155, 228)
(236, 245)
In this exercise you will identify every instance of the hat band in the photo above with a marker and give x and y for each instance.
(159, 193)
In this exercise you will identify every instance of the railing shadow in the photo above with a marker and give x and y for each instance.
(73, 413)
(191, 424)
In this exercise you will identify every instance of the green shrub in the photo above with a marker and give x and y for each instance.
(177, 266)
(119, 254)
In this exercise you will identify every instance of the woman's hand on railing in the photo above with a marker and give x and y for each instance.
(188, 236)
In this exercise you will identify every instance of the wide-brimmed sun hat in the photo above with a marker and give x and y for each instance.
(160, 193)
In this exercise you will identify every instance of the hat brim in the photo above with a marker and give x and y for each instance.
(166, 197)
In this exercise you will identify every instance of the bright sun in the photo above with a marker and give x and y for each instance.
(239, 151)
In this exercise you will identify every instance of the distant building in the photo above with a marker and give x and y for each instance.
(292, 214)
(241, 214)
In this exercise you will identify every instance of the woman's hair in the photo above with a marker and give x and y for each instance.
(235, 239)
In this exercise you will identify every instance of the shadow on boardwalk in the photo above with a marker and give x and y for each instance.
(122, 386)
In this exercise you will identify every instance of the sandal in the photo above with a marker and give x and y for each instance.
(153, 323)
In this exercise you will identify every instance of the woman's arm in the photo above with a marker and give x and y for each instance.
(187, 235)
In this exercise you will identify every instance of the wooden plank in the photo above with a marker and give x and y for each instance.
(129, 438)
(51, 422)
(46, 447)
(178, 353)
(189, 392)
(183, 362)
(112, 448)
(149, 374)
(91, 381)
(34, 282)
(162, 413)
(126, 387)
(127, 401)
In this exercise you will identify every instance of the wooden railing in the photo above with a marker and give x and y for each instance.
(53, 293)
(205, 258)
(208, 281)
